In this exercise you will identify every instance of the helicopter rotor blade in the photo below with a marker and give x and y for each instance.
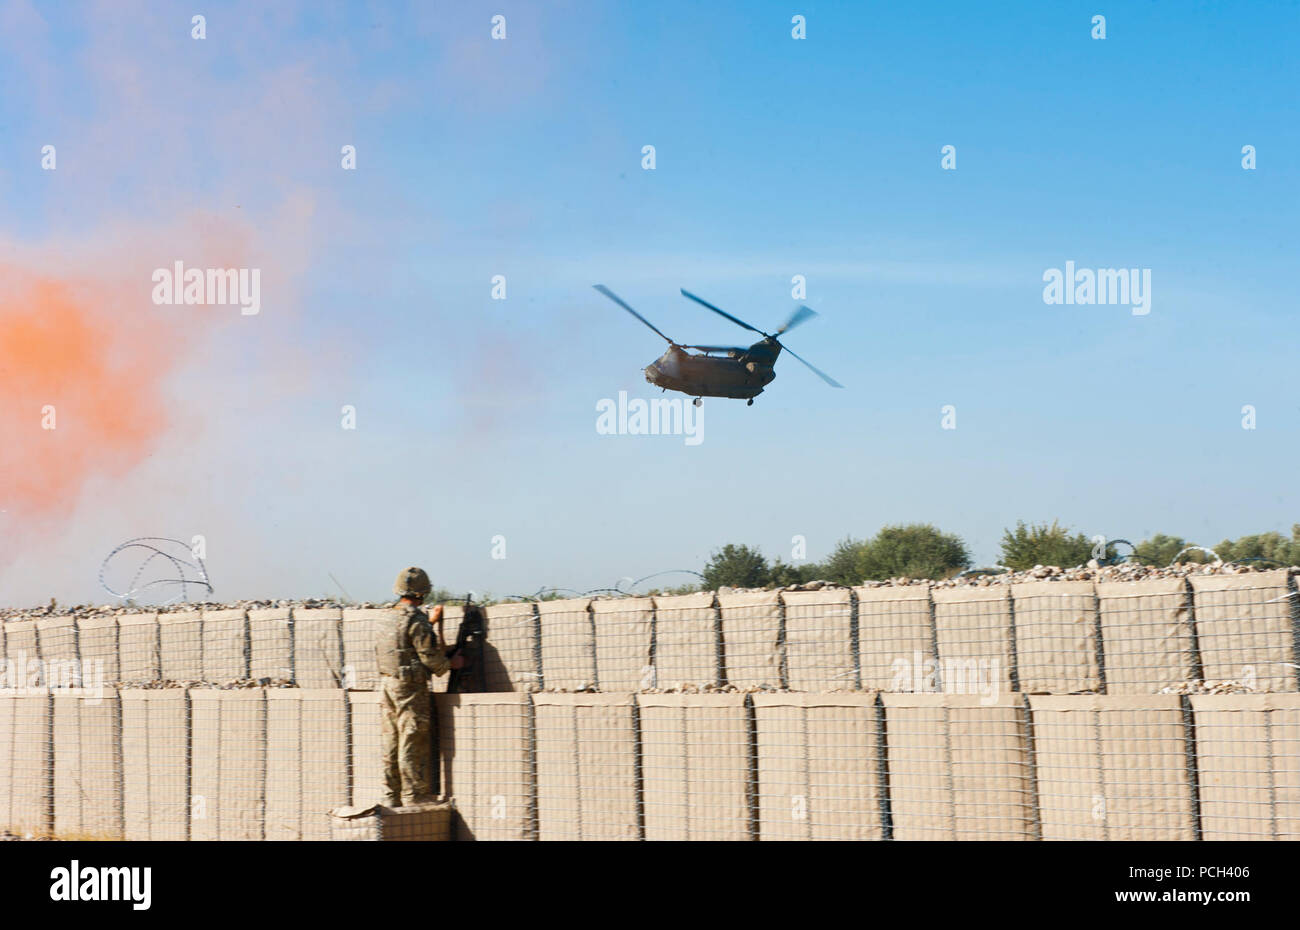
(622, 303)
(717, 348)
(815, 370)
(801, 314)
(720, 312)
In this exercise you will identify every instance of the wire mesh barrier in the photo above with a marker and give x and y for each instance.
(688, 641)
(250, 764)
(137, 648)
(1248, 762)
(586, 767)
(307, 761)
(212, 764)
(568, 644)
(1147, 631)
(1246, 629)
(819, 642)
(752, 634)
(959, 768)
(228, 754)
(270, 644)
(624, 629)
(512, 654)
(696, 774)
(318, 647)
(820, 769)
(894, 641)
(27, 763)
(973, 632)
(486, 764)
(87, 750)
(21, 650)
(155, 764)
(98, 647)
(1114, 767)
(1056, 627)
(180, 645)
(56, 638)
(1026, 711)
(225, 644)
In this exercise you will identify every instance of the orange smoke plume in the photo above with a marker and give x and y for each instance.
(80, 389)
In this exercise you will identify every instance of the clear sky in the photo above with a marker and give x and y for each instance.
(522, 157)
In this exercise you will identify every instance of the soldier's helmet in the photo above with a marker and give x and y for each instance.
(412, 582)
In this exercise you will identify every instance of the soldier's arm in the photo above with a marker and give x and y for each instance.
(427, 648)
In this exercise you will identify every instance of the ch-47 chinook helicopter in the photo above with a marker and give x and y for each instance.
(741, 372)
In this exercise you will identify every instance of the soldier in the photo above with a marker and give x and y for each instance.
(407, 652)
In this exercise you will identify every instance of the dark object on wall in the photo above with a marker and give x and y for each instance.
(470, 637)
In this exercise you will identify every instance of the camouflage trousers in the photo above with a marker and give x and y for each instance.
(406, 737)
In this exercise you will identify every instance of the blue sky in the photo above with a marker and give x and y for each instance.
(775, 157)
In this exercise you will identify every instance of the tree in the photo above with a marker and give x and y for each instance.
(1042, 544)
(917, 550)
(842, 565)
(1160, 550)
(781, 573)
(736, 567)
(1271, 545)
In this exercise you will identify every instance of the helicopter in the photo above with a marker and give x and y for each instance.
(740, 373)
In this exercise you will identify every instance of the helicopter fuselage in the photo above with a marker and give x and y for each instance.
(737, 374)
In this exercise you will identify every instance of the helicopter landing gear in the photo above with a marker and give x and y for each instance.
(698, 401)
(750, 402)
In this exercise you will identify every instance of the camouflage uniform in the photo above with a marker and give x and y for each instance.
(407, 651)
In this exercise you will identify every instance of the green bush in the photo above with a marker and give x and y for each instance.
(1043, 544)
(917, 550)
(735, 566)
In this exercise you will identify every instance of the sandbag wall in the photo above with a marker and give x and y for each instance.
(267, 763)
(1049, 637)
(1001, 711)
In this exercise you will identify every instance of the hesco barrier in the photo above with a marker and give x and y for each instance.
(268, 763)
(1248, 627)
(1054, 637)
(587, 773)
(890, 712)
(696, 767)
(485, 751)
(820, 769)
(687, 641)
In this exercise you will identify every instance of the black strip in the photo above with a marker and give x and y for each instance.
(532, 828)
(934, 640)
(1036, 827)
(1197, 666)
(882, 772)
(751, 781)
(1294, 598)
(854, 638)
(638, 769)
(1101, 646)
(719, 642)
(1193, 776)
(537, 647)
(1014, 672)
(783, 667)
